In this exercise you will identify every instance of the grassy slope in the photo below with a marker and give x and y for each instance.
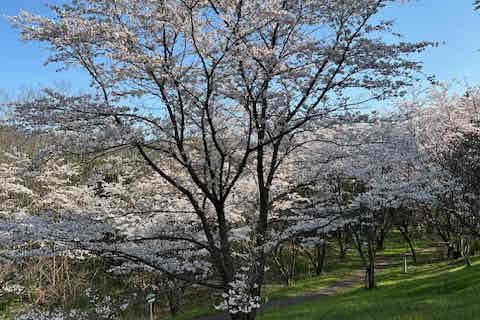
(434, 291)
(430, 291)
(335, 270)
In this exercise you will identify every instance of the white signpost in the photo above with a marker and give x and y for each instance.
(405, 265)
(150, 300)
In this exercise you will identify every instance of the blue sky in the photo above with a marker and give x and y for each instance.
(452, 21)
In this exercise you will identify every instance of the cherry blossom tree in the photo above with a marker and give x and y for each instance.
(213, 96)
(369, 175)
(448, 128)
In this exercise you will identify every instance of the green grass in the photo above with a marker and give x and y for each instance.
(9, 305)
(275, 291)
(336, 270)
(429, 292)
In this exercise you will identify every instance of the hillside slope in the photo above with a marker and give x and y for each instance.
(435, 291)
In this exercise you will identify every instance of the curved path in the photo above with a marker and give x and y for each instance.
(330, 290)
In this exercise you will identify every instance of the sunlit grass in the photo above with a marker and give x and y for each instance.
(278, 291)
(336, 270)
(429, 290)
(433, 291)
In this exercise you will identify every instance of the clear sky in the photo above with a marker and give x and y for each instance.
(451, 21)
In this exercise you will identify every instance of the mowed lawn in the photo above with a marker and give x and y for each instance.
(435, 291)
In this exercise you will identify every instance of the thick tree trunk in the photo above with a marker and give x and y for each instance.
(465, 249)
(370, 277)
(321, 250)
(383, 229)
(243, 316)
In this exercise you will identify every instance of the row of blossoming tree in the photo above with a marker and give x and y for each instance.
(216, 132)
(361, 176)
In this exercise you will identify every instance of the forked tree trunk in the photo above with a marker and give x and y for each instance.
(368, 258)
(370, 277)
